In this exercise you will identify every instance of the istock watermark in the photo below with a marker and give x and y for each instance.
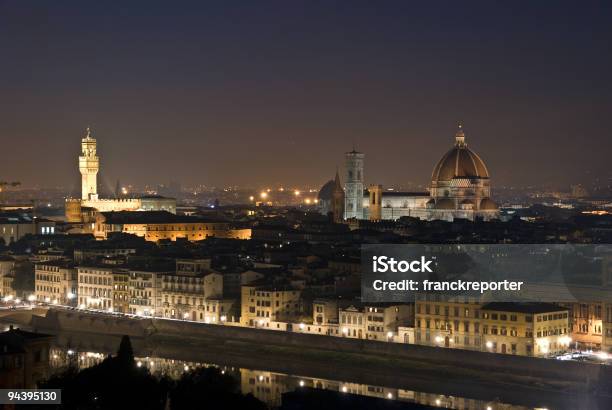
(384, 264)
(494, 273)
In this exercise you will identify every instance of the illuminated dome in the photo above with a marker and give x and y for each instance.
(459, 162)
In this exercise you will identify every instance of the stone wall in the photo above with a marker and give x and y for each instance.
(589, 374)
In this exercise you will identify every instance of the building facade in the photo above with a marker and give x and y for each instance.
(263, 303)
(162, 225)
(527, 329)
(95, 287)
(56, 282)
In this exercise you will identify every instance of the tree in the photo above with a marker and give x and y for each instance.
(125, 354)
(118, 383)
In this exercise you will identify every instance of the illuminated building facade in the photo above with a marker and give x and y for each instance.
(523, 329)
(161, 225)
(262, 304)
(89, 166)
(95, 287)
(183, 296)
(56, 282)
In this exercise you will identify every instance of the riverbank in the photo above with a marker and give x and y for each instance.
(519, 380)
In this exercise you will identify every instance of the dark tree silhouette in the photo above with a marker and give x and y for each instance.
(125, 354)
(115, 383)
(118, 383)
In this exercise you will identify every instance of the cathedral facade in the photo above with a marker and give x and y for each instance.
(82, 209)
(460, 188)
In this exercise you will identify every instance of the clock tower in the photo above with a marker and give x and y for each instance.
(89, 164)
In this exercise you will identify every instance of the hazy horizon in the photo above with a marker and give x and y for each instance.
(274, 93)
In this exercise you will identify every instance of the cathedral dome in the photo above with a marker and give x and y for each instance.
(327, 191)
(487, 204)
(459, 162)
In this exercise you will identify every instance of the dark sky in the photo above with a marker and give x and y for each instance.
(274, 92)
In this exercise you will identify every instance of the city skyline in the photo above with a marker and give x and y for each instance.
(264, 95)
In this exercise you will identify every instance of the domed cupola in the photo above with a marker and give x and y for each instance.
(459, 162)
(460, 180)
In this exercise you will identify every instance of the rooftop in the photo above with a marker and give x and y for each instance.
(533, 308)
(144, 217)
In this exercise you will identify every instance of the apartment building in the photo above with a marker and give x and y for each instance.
(527, 329)
(121, 291)
(56, 282)
(325, 311)
(95, 287)
(183, 296)
(262, 303)
(145, 292)
(220, 310)
(352, 320)
(373, 321)
(454, 324)
(382, 320)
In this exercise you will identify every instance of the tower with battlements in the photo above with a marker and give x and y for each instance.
(89, 165)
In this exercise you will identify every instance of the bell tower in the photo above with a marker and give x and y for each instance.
(354, 185)
(89, 164)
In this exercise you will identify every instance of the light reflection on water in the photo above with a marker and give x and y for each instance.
(269, 386)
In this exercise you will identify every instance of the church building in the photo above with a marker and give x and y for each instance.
(460, 188)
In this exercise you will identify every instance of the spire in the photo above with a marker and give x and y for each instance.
(460, 136)
(337, 183)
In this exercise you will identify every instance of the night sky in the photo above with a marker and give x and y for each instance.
(260, 93)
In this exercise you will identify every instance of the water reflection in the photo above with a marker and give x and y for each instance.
(269, 386)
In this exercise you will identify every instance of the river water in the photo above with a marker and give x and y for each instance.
(269, 386)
